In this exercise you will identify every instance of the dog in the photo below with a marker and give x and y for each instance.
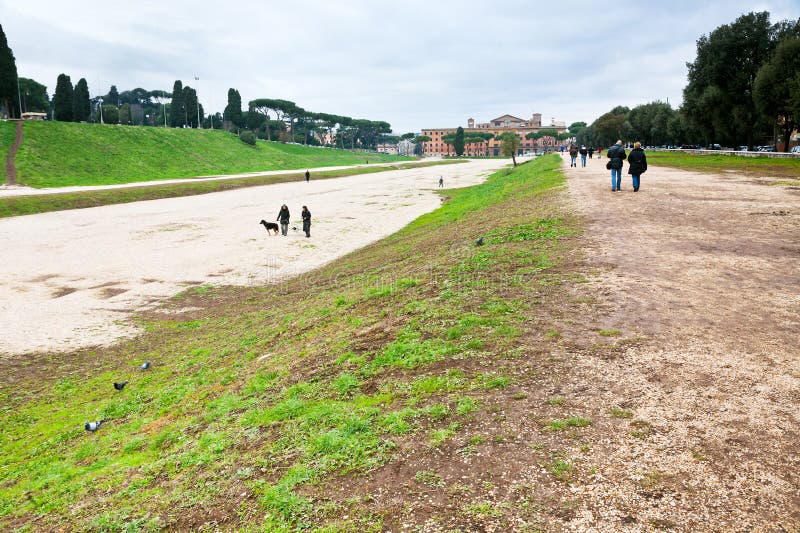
(270, 226)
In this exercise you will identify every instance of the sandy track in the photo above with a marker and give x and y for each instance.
(705, 271)
(77, 275)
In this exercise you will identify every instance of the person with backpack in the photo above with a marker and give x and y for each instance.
(637, 164)
(616, 154)
(583, 151)
(573, 155)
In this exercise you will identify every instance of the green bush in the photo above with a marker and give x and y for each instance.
(248, 137)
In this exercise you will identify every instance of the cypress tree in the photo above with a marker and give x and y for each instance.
(81, 108)
(191, 106)
(177, 111)
(112, 98)
(8, 77)
(62, 99)
(458, 141)
(233, 111)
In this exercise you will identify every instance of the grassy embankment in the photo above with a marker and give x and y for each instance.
(782, 169)
(31, 204)
(275, 408)
(61, 154)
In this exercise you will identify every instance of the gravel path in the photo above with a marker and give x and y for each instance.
(77, 275)
(701, 274)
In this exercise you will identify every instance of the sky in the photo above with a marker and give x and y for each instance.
(414, 63)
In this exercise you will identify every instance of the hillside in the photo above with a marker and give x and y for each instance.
(56, 154)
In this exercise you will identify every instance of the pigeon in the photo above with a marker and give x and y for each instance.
(93, 426)
(121, 385)
(145, 365)
(479, 242)
(294, 228)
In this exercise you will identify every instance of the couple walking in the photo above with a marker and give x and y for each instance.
(284, 216)
(637, 164)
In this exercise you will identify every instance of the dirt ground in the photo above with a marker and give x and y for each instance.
(700, 274)
(79, 275)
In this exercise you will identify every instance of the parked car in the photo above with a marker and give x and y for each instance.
(714, 146)
(796, 149)
(741, 149)
(687, 147)
(768, 149)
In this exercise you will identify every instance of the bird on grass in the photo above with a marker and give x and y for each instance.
(479, 242)
(93, 426)
(145, 365)
(120, 385)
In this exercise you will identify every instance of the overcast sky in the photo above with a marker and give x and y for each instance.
(415, 64)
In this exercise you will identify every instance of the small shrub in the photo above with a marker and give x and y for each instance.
(248, 137)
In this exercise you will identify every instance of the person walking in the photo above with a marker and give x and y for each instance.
(599, 152)
(591, 151)
(573, 155)
(306, 214)
(616, 154)
(283, 218)
(308, 176)
(583, 151)
(637, 164)
(441, 181)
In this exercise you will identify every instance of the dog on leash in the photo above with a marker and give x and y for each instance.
(270, 226)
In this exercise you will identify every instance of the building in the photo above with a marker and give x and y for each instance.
(497, 126)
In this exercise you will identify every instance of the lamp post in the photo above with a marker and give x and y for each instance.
(197, 101)
(100, 100)
(19, 101)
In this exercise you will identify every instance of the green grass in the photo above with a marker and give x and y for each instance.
(59, 154)
(762, 166)
(32, 204)
(260, 403)
(7, 136)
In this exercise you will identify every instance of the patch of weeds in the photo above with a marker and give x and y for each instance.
(556, 400)
(439, 436)
(452, 381)
(543, 229)
(641, 429)
(429, 477)
(552, 334)
(437, 411)
(482, 510)
(562, 470)
(397, 422)
(466, 405)
(573, 422)
(698, 455)
(519, 396)
(616, 412)
(492, 381)
(613, 332)
(345, 385)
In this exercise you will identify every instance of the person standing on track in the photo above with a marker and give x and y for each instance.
(283, 218)
(616, 154)
(306, 214)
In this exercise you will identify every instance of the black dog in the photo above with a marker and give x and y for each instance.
(269, 226)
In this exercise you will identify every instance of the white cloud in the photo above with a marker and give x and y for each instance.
(412, 63)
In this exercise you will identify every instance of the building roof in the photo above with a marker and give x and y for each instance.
(510, 117)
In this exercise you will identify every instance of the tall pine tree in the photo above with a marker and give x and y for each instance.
(177, 111)
(191, 106)
(81, 108)
(112, 98)
(62, 99)
(8, 77)
(233, 111)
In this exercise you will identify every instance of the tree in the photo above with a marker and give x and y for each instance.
(110, 114)
(458, 141)
(611, 126)
(418, 140)
(649, 123)
(62, 99)
(177, 112)
(233, 111)
(407, 136)
(34, 96)
(719, 98)
(112, 98)
(8, 77)
(576, 127)
(509, 144)
(191, 107)
(81, 108)
(777, 88)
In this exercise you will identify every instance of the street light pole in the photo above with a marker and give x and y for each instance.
(101, 110)
(197, 101)
(19, 100)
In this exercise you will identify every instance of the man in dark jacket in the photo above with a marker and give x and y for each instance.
(583, 151)
(283, 218)
(573, 155)
(638, 164)
(615, 155)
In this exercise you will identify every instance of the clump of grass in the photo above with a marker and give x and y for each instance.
(429, 477)
(572, 422)
(562, 470)
(556, 400)
(613, 332)
(616, 412)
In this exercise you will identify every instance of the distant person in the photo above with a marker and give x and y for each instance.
(441, 181)
(308, 176)
(591, 151)
(583, 151)
(283, 218)
(637, 161)
(306, 214)
(616, 154)
(599, 152)
(561, 148)
(573, 155)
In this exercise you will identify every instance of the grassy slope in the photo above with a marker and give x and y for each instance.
(57, 154)
(264, 403)
(6, 140)
(762, 166)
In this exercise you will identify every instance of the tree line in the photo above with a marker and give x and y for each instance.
(743, 89)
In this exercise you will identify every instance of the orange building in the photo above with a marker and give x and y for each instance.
(497, 126)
